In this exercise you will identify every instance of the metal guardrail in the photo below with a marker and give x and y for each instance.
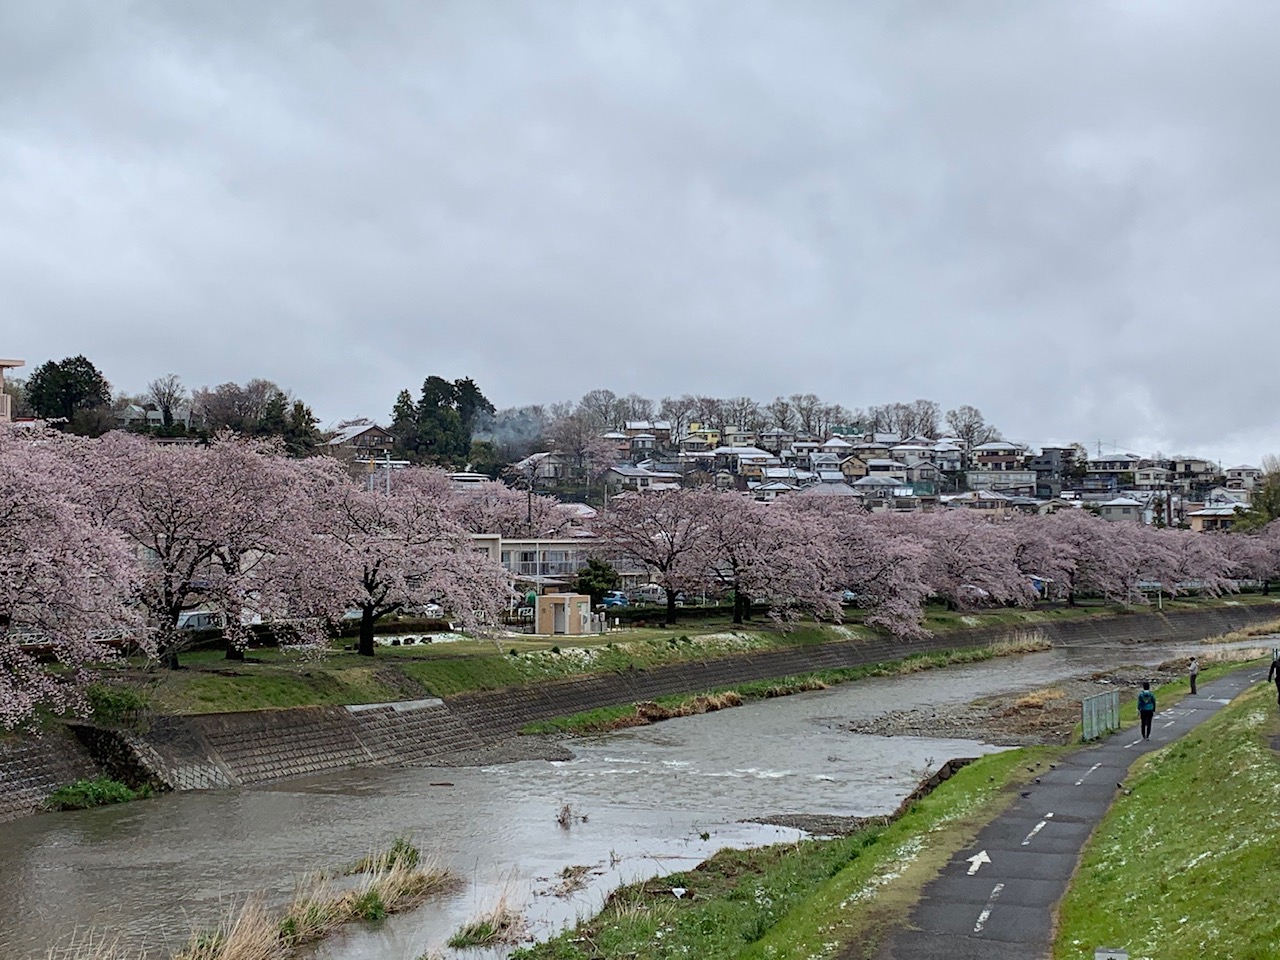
(1100, 714)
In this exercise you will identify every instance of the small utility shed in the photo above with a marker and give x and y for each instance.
(562, 614)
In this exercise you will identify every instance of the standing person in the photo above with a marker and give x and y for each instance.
(1146, 709)
(1193, 670)
(1274, 672)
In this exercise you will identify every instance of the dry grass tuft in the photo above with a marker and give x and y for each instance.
(1025, 641)
(393, 881)
(92, 946)
(1245, 633)
(252, 934)
(500, 924)
(1039, 699)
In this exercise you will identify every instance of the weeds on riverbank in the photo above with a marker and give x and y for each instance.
(497, 925)
(390, 881)
(1245, 633)
(98, 792)
(1183, 864)
(684, 705)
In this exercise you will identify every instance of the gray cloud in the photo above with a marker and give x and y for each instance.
(1062, 213)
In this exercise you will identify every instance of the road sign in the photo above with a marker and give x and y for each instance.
(1110, 953)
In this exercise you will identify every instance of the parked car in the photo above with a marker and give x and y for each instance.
(199, 620)
(616, 598)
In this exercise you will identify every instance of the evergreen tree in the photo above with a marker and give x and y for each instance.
(65, 388)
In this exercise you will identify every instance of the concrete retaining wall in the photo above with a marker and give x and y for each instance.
(232, 749)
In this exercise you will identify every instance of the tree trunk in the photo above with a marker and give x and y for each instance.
(1266, 588)
(170, 656)
(1071, 598)
(737, 606)
(234, 652)
(365, 648)
(671, 608)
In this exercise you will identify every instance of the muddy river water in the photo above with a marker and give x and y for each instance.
(655, 800)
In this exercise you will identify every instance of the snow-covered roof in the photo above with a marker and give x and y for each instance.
(880, 462)
(877, 482)
(828, 490)
(1122, 502)
(351, 429)
(741, 452)
(998, 446)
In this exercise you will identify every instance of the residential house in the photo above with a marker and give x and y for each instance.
(704, 431)
(546, 469)
(770, 490)
(147, 416)
(948, 456)
(1019, 482)
(538, 562)
(853, 468)
(1243, 477)
(362, 438)
(1152, 478)
(988, 503)
(998, 455)
(643, 445)
(924, 478)
(775, 440)
(837, 447)
(1055, 468)
(1122, 508)
(624, 477)
(1215, 518)
(733, 458)
(1190, 473)
(883, 467)
(621, 443)
(660, 430)
(910, 453)
(734, 436)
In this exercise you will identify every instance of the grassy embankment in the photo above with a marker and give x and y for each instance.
(268, 678)
(720, 698)
(1183, 867)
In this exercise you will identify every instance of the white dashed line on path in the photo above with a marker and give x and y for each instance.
(1037, 828)
(1087, 772)
(985, 915)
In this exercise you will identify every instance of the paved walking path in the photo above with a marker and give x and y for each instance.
(996, 899)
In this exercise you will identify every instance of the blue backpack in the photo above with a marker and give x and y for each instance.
(1146, 701)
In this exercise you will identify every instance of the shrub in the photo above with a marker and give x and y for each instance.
(117, 706)
(98, 792)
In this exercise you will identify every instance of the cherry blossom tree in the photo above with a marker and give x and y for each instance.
(760, 552)
(878, 561)
(64, 579)
(969, 558)
(404, 548)
(214, 527)
(664, 530)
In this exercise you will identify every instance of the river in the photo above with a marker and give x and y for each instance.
(655, 799)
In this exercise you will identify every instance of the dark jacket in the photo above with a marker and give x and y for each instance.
(1274, 671)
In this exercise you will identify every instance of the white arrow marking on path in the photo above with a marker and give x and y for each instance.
(1087, 772)
(977, 860)
(1037, 828)
(985, 915)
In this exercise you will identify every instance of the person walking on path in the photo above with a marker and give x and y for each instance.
(1274, 673)
(1146, 709)
(1193, 670)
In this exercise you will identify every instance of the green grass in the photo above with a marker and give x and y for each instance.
(801, 900)
(98, 792)
(1184, 867)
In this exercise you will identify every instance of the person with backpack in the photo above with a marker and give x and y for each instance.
(1274, 673)
(1193, 670)
(1146, 709)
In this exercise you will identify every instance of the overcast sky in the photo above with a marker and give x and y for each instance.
(1067, 214)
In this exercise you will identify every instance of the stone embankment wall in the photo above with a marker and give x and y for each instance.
(236, 749)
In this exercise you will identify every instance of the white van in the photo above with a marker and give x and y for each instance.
(649, 593)
(199, 620)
